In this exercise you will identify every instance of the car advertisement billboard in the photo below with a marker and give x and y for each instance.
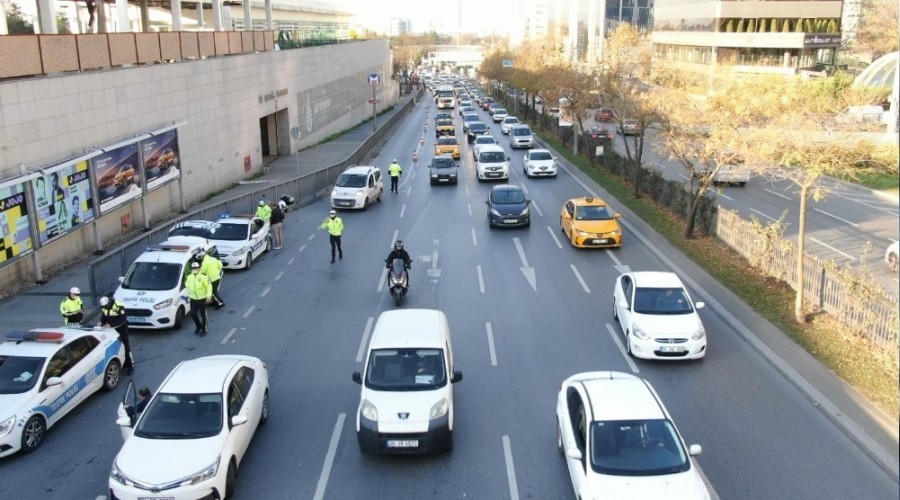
(162, 159)
(14, 225)
(117, 177)
(62, 199)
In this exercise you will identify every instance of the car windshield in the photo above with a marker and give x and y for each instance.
(592, 212)
(508, 121)
(230, 231)
(445, 123)
(477, 127)
(521, 131)
(443, 116)
(502, 196)
(637, 448)
(442, 163)
(661, 301)
(492, 157)
(485, 140)
(445, 93)
(351, 181)
(447, 141)
(181, 416)
(18, 374)
(153, 276)
(406, 369)
(540, 155)
(500, 110)
(470, 118)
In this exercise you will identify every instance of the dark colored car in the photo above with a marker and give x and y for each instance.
(443, 170)
(508, 206)
(604, 115)
(599, 133)
(475, 129)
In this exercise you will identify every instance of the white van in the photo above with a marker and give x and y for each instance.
(492, 162)
(406, 402)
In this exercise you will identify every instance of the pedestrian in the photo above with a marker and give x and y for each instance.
(112, 315)
(200, 294)
(264, 212)
(277, 223)
(394, 170)
(335, 227)
(212, 268)
(72, 308)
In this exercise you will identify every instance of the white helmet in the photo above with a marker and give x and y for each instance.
(262, 202)
(104, 301)
(74, 291)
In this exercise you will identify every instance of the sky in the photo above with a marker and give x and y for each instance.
(480, 16)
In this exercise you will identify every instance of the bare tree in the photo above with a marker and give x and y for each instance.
(878, 30)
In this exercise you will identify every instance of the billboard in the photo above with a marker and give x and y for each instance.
(116, 176)
(62, 199)
(162, 159)
(14, 225)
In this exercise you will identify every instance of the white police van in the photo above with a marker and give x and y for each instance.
(153, 291)
(240, 239)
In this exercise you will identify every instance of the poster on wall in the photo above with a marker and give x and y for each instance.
(14, 225)
(118, 180)
(62, 199)
(162, 159)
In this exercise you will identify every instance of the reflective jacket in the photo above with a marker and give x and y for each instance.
(334, 226)
(395, 170)
(70, 307)
(211, 267)
(264, 212)
(113, 315)
(198, 286)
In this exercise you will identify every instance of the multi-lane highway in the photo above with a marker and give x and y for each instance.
(526, 310)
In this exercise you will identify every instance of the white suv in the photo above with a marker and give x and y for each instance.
(357, 187)
(492, 163)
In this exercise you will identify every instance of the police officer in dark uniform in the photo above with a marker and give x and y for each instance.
(112, 314)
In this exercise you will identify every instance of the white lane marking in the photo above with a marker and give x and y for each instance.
(553, 235)
(310, 238)
(826, 245)
(291, 261)
(265, 292)
(467, 190)
(474, 239)
(613, 257)
(101, 497)
(402, 210)
(279, 275)
(510, 469)
(776, 193)
(409, 190)
(365, 339)
(521, 252)
(301, 249)
(480, 279)
(394, 238)
(228, 337)
(536, 207)
(382, 280)
(490, 337)
(329, 457)
(580, 279)
(249, 312)
(525, 189)
(618, 341)
(682, 175)
(760, 213)
(469, 205)
(881, 209)
(836, 217)
(723, 195)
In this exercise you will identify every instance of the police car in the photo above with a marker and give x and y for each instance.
(239, 239)
(46, 373)
(152, 290)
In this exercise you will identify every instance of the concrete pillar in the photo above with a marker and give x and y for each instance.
(248, 19)
(101, 16)
(122, 16)
(145, 16)
(200, 23)
(4, 29)
(270, 25)
(177, 25)
(47, 16)
(217, 14)
(787, 59)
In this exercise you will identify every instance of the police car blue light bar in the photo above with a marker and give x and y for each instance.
(36, 336)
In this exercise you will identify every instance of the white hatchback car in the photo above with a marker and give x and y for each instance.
(357, 187)
(507, 124)
(190, 439)
(619, 442)
(539, 163)
(499, 115)
(657, 317)
(480, 141)
(46, 373)
(239, 239)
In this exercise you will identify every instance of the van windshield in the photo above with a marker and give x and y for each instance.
(351, 181)
(492, 157)
(521, 131)
(406, 369)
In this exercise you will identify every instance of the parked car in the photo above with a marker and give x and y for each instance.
(240, 239)
(508, 207)
(357, 187)
(589, 223)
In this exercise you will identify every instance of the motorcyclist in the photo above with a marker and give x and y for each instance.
(398, 252)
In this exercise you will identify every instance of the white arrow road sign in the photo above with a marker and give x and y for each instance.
(526, 270)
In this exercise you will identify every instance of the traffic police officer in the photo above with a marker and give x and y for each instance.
(335, 227)
(72, 308)
(112, 314)
(264, 211)
(212, 268)
(394, 170)
(200, 294)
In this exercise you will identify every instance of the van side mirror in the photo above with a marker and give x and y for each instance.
(357, 377)
(617, 215)
(457, 376)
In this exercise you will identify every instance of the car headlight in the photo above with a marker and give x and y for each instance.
(524, 212)
(162, 305)
(368, 410)
(434, 176)
(360, 193)
(699, 334)
(614, 233)
(637, 332)
(207, 473)
(240, 251)
(582, 233)
(439, 409)
(7, 425)
(495, 212)
(334, 193)
(116, 475)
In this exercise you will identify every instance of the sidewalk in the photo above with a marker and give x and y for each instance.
(38, 305)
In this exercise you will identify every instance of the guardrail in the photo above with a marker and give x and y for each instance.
(104, 271)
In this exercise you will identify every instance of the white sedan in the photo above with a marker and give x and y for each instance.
(619, 441)
(46, 373)
(657, 317)
(190, 439)
(507, 124)
(499, 115)
(480, 141)
(539, 163)
(239, 239)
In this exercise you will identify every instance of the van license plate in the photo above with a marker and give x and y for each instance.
(410, 443)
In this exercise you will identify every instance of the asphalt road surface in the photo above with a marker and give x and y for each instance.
(526, 310)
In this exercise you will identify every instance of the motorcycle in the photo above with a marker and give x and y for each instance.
(398, 279)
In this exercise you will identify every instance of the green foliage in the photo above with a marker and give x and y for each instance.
(16, 22)
(62, 24)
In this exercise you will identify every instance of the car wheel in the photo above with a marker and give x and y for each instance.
(366, 204)
(268, 244)
(249, 261)
(33, 434)
(230, 479)
(264, 415)
(179, 318)
(380, 195)
(449, 446)
(111, 375)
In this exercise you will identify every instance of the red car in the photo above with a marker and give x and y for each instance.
(604, 115)
(599, 133)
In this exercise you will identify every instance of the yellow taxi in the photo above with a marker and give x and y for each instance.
(589, 222)
(447, 145)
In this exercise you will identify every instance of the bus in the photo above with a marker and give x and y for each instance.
(445, 97)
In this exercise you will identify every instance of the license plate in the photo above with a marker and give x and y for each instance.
(599, 242)
(345, 203)
(490, 174)
(136, 319)
(510, 221)
(443, 180)
(156, 498)
(671, 349)
(409, 443)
